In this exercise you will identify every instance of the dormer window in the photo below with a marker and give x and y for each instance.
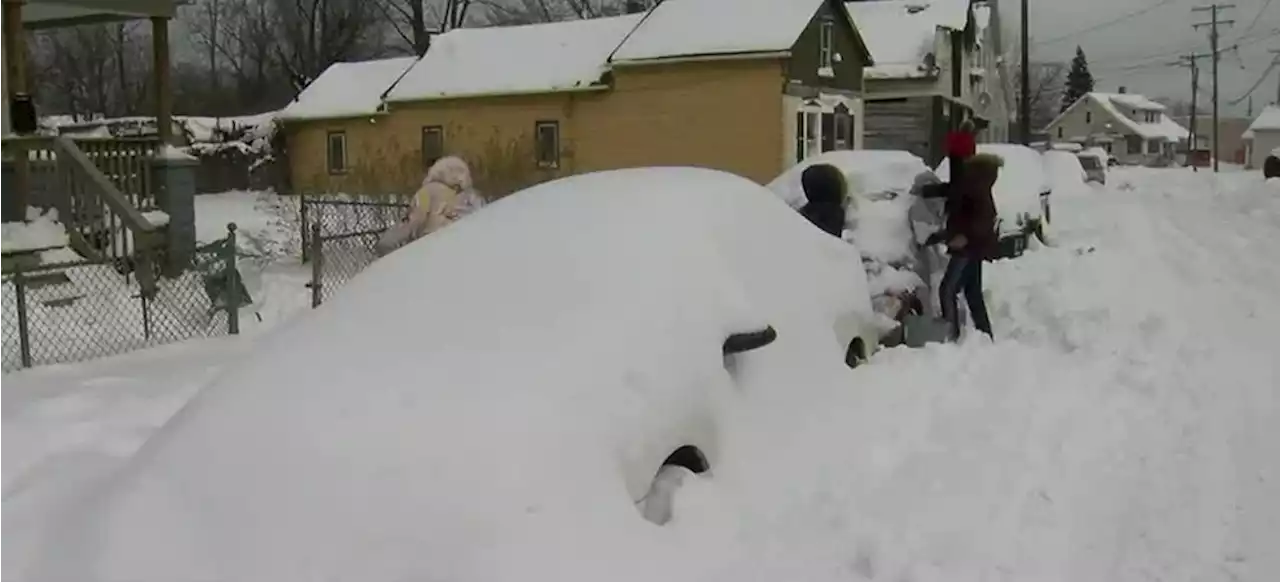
(826, 43)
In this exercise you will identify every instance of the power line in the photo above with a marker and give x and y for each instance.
(1106, 23)
(1255, 85)
(1256, 18)
(1159, 58)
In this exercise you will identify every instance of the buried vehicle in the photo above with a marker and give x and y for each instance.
(507, 399)
(888, 221)
(1022, 195)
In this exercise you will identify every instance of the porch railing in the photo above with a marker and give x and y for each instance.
(100, 187)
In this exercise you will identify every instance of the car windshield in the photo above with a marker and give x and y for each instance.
(1090, 162)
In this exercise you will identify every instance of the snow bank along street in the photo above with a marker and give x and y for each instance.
(1125, 425)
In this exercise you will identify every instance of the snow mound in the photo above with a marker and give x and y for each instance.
(482, 404)
(41, 231)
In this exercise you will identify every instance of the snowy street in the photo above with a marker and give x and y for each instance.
(1125, 424)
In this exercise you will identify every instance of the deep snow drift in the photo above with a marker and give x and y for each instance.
(1124, 426)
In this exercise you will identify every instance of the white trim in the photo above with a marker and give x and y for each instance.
(419, 99)
(704, 58)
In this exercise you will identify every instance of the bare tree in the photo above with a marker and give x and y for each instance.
(93, 69)
(313, 34)
(509, 12)
(1047, 85)
(414, 21)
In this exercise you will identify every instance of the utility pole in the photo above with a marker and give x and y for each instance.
(1275, 60)
(1024, 100)
(1190, 62)
(1213, 24)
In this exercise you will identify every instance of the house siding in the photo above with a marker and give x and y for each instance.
(1263, 142)
(900, 125)
(384, 153)
(1088, 119)
(713, 114)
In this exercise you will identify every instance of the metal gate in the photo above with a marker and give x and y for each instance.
(340, 235)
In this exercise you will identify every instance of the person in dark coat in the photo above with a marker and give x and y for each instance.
(971, 238)
(825, 189)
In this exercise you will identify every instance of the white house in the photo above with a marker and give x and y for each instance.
(1132, 128)
(1262, 137)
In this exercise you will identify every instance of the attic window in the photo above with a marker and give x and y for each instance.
(826, 43)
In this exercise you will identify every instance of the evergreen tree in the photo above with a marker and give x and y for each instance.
(1079, 80)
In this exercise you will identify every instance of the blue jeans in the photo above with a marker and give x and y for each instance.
(964, 274)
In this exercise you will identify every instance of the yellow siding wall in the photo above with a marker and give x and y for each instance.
(716, 114)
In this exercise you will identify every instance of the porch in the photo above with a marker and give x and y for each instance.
(116, 198)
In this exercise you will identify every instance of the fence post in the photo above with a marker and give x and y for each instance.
(306, 243)
(24, 332)
(231, 295)
(317, 266)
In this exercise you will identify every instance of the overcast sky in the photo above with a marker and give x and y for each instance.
(1135, 52)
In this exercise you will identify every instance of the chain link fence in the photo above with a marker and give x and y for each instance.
(340, 235)
(66, 308)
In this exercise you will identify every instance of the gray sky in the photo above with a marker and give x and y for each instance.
(1135, 52)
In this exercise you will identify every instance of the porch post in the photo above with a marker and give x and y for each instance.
(161, 71)
(17, 171)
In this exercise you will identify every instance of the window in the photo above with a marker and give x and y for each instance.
(1088, 117)
(548, 144)
(844, 128)
(1133, 144)
(828, 132)
(807, 134)
(826, 41)
(432, 144)
(1153, 146)
(337, 152)
(1059, 132)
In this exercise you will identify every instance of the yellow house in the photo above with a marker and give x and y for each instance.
(747, 86)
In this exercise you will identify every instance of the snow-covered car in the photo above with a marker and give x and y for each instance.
(888, 221)
(1021, 194)
(1094, 163)
(506, 400)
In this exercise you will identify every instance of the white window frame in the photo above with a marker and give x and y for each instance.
(826, 43)
(344, 162)
(538, 128)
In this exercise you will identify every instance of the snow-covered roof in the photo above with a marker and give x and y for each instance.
(347, 89)
(535, 58)
(1120, 104)
(686, 28)
(1268, 120)
(901, 33)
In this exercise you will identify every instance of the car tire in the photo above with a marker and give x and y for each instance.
(856, 355)
(658, 505)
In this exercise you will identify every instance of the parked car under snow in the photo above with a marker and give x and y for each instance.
(1022, 195)
(888, 221)
(500, 401)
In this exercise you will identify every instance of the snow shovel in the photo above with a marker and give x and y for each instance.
(918, 330)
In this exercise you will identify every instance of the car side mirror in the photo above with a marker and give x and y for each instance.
(752, 340)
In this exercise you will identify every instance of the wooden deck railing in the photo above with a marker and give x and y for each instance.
(101, 188)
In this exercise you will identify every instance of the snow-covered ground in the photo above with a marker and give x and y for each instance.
(1124, 426)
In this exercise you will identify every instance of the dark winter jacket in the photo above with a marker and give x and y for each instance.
(971, 212)
(824, 188)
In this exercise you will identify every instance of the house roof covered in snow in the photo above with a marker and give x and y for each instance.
(535, 58)
(694, 28)
(1268, 120)
(1123, 107)
(901, 33)
(347, 90)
